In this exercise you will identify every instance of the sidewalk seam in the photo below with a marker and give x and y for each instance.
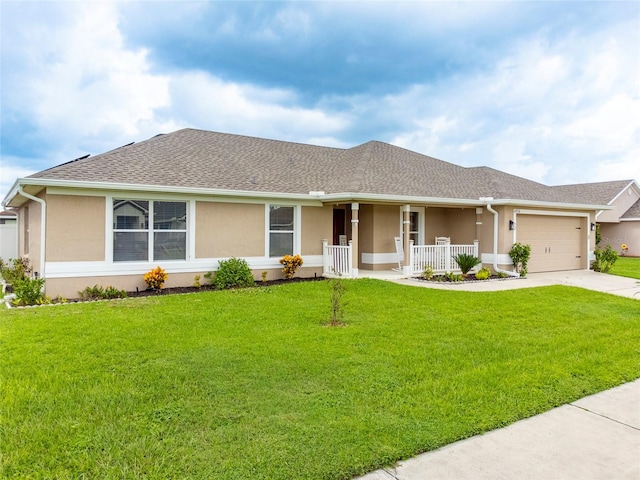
(603, 416)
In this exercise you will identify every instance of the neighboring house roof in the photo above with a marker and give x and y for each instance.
(633, 212)
(600, 192)
(197, 159)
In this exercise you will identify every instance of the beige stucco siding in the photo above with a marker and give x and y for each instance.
(229, 230)
(457, 223)
(75, 228)
(317, 225)
(378, 225)
(615, 234)
(386, 227)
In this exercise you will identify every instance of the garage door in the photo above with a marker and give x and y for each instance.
(557, 243)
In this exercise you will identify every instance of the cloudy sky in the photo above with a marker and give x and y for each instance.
(546, 90)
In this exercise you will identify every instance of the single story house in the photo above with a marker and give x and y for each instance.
(620, 225)
(188, 199)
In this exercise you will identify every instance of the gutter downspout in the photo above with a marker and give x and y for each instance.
(495, 244)
(43, 225)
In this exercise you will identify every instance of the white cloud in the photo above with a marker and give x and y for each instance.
(78, 83)
(556, 112)
(205, 101)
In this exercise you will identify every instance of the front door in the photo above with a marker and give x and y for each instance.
(339, 225)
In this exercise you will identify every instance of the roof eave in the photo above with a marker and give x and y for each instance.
(314, 196)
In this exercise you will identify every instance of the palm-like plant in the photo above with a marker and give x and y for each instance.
(466, 262)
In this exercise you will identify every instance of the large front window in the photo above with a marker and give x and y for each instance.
(281, 231)
(137, 239)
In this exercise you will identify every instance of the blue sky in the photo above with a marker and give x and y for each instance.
(546, 90)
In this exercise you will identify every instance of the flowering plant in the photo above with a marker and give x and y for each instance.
(155, 278)
(624, 248)
(291, 264)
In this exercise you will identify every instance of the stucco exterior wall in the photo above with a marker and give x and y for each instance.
(615, 234)
(317, 224)
(75, 228)
(457, 223)
(229, 230)
(379, 224)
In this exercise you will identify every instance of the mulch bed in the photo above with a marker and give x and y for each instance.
(204, 288)
(469, 279)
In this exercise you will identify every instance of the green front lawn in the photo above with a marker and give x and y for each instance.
(627, 267)
(251, 384)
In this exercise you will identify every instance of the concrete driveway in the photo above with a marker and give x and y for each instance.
(600, 282)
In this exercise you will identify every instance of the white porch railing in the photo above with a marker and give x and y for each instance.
(439, 257)
(337, 260)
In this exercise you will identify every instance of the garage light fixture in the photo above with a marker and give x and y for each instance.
(593, 227)
(512, 225)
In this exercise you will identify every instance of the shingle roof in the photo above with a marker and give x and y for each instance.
(200, 159)
(599, 192)
(633, 212)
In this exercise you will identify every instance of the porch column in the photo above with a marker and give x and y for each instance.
(406, 228)
(355, 210)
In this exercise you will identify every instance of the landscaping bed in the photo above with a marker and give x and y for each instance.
(468, 279)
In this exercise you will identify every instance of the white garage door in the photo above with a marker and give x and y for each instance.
(557, 243)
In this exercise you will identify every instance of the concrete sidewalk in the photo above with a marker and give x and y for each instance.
(600, 282)
(596, 437)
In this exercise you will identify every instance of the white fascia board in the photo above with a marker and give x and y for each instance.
(630, 219)
(13, 191)
(363, 197)
(566, 206)
(314, 200)
(400, 199)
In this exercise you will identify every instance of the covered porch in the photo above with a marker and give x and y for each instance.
(337, 260)
(398, 238)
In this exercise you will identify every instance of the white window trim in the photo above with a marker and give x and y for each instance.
(190, 229)
(297, 226)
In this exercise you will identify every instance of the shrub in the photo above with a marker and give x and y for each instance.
(520, 254)
(466, 262)
(196, 281)
(231, 273)
(605, 259)
(483, 273)
(155, 278)
(28, 291)
(291, 264)
(453, 277)
(97, 292)
(427, 273)
(15, 269)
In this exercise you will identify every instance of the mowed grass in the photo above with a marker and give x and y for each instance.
(627, 267)
(251, 384)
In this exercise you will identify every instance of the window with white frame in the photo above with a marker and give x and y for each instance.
(137, 239)
(281, 230)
